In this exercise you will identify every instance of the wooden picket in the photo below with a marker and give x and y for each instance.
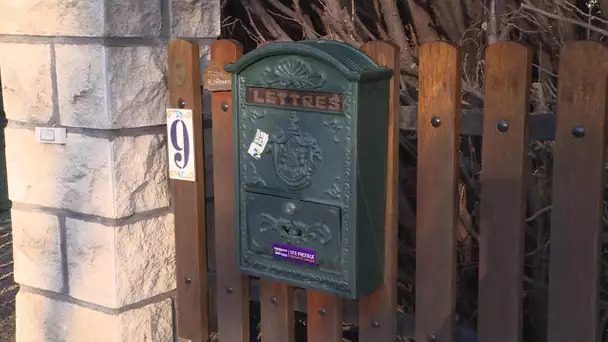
(437, 216)
(377, 312)
(324, 317)
(578, 193)
(276, 302)
(505, 132)
(577, 211)
(232, 288)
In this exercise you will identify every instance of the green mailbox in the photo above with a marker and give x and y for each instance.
(310, 165)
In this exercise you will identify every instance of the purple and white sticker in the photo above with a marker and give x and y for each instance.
(293, 253)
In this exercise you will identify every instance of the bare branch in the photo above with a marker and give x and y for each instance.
(396, 29)
(269, 23)
(296, 16)
(364, 29)
(564, 19)
(422, 23)
(493, 23)
(260, 37)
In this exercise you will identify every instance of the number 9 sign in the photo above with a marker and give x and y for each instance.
(180, 144)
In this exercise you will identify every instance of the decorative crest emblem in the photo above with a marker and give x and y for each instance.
(296, 232)
(292, 72)
(295, 155)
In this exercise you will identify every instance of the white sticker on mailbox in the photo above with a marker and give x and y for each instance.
(180, 134)
(258, 145)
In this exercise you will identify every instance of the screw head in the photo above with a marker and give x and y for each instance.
(188, 280)
(435, 121)
(274, 300)
(578, 131)
(375, 324)
(224, 107)
(181, 103)
(229, 290)
(502, 126)
(322, 312)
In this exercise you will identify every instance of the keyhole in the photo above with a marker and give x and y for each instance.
(290, 208)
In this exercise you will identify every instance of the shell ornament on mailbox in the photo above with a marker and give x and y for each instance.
(310, 165)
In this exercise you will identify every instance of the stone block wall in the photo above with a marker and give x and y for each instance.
(93, 230)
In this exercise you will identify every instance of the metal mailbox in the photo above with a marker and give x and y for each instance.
(310, 165)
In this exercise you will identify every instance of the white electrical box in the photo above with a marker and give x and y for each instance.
(51, 135)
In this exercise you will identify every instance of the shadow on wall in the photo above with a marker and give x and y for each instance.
(4, 201)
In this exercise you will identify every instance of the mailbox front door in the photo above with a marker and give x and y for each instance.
(296, 231)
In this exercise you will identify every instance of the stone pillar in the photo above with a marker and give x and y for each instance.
(92, 223)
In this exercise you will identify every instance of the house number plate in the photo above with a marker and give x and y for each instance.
(181, 144)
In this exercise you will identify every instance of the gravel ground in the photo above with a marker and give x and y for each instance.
(8, 289)
(7, 329)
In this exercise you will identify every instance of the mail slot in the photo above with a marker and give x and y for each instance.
(310, 165)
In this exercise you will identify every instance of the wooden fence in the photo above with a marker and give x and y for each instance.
(576, 215)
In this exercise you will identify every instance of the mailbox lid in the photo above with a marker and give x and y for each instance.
(292, 232)
(351, 62)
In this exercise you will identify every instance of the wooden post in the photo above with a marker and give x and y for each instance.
(502, 214)
(189, 199)
(232, 286)
(378, 312)
(437, 198)
(578, 193)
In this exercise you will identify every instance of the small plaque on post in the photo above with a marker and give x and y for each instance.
(217, 79)
(180, 144)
